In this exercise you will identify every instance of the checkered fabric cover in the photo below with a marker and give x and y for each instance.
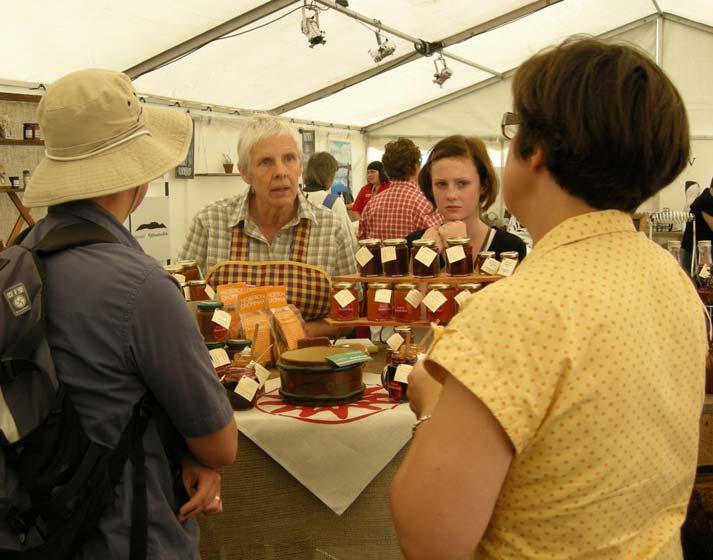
(308, 286)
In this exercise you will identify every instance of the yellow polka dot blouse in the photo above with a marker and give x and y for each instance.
(591, 357)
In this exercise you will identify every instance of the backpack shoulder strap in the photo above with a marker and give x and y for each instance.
(75, 235)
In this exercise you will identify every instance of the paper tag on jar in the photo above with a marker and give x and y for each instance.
(262, 373)
(219, 357)
(414, 298)
(490, 266)
(507, 267)
(344, 297)
(433, 300)
(455, 253)
(181, 279)
(210, 292)
(402, 372)
(426, 255)
(382, 296)
(187, 293)
(363, 256)
(247, 387)
(462, 297)
(388, 254)
(221, 318)
(705, 272)
(395, 341)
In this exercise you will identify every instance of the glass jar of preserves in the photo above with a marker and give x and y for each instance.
(344, 302)
(508, 262)
(219, 369)
(459, 256)
(704, 272)
(190, 270)
(234, 346)
(425, 262)
(175, 270)
(232, 378)
(197, 290)
(379, 305)
(369, 257)
(211, 331)
(407, 308)
(463, 293)
(394, 257)
(439, 303)
(486, 263)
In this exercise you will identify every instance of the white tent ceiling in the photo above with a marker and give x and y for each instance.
(267, 65)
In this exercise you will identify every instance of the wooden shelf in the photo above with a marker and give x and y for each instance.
(364, 322)
(441, 279)
(17, 142)
(216, 174)
(21, 97)
(8, 189)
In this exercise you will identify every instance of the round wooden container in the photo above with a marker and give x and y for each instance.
(308, 378)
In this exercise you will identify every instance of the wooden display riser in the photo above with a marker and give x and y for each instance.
(440, 279)
(364, 322)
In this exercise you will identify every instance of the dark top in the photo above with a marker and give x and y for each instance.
(704, 203)
(118, 325)
(502, 241)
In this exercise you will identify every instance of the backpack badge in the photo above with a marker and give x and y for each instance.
(17, 299)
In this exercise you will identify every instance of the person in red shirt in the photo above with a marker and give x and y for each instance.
(377, 181)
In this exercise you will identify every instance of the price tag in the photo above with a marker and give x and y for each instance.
(490, 266)
(705, 272)
(363, 256)
(187, 293)
(462, 297)
(414, 298)
(421, 356)
(388, 254)
(344, 297)
(382, 296)
(402, 372)
(262, 373)
(507, 267)
(247, 388)
(426, 255)
(455, 253)
(219, 357)
(395, 341)
(433, 300)
(181, 279)
(221, 318)
(210, 292)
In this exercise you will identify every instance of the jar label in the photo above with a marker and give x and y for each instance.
(490, 266)
(219, 357)
(507, 267)
(455, 253)
(388, 254)
(187, 293)
(433, 300)
(426, 255)
(181, 279)
(395, 341)
(402, 372)
(382, 296)
(247, 387)
(462, 297)
(344, 297)
(384, 311)
(414, 298)
(705, 272)
(210, 292)
(363, 256)
(222, 318)
(262, 373)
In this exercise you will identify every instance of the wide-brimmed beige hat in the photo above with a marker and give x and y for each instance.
(100, 139)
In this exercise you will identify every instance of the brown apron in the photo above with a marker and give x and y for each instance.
(307, 286)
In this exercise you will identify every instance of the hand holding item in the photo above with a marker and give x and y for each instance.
(423, 390)
(203, 487)
(433, 233)
(452, 229)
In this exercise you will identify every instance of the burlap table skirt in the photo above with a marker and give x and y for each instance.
(268, 515)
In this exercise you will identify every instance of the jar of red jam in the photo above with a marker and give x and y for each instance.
(425, 262)
(211, 331)
(379, 306)
(404, 308)
(197, 290)
(369, 257)
(439, 303)
(459, 256)
(232, 377)
(190, 270)
(344, 302)
(394, 257)
(508, 262)
(486, 263)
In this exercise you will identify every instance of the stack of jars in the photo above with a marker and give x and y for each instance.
(189, 276)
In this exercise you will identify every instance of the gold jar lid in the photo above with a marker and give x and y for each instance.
(369, 242)
(173, 268)
(457, 241)
(188, 262)
(405, 286)
(197, 283)
(402, 329)
(486, 254)
(379, 285)
(469, 286)
(510, 255)
(438, 286)
(343, 285)
(424, 242)
(395, 241)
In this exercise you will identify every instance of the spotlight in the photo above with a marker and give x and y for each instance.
(310, 26)
(385, 48)
(442, 74)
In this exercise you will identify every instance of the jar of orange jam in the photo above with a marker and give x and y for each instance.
(404, 310)
(211, 331)
(190, 270)
(379, 298)
(439, 303)
(344, 302)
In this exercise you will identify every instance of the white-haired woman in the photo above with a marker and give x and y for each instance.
(242, 238)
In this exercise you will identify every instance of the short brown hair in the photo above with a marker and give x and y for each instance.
(612, 127)
(321, 169)
(401, 159)
(466, 147)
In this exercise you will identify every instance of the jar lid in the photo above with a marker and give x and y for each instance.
(313, 356)
(509, 255)
(469, 286)
(172, 268)
(379, 285)
(438, 286)
(196, 282)
(458, 240)
(188, 262)
(486, 254)
(405, 286)
(423, 242)
(343, 285)
(395, 241)
(402, 329)
(238, 343)
(673, 243)
(214, 345)
(704, 243)
(209, 305)
(369, 242)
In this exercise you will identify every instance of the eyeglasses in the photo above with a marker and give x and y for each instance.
(510, 124)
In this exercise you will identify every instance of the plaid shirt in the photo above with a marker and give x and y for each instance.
(209, 237)
(396, 212)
